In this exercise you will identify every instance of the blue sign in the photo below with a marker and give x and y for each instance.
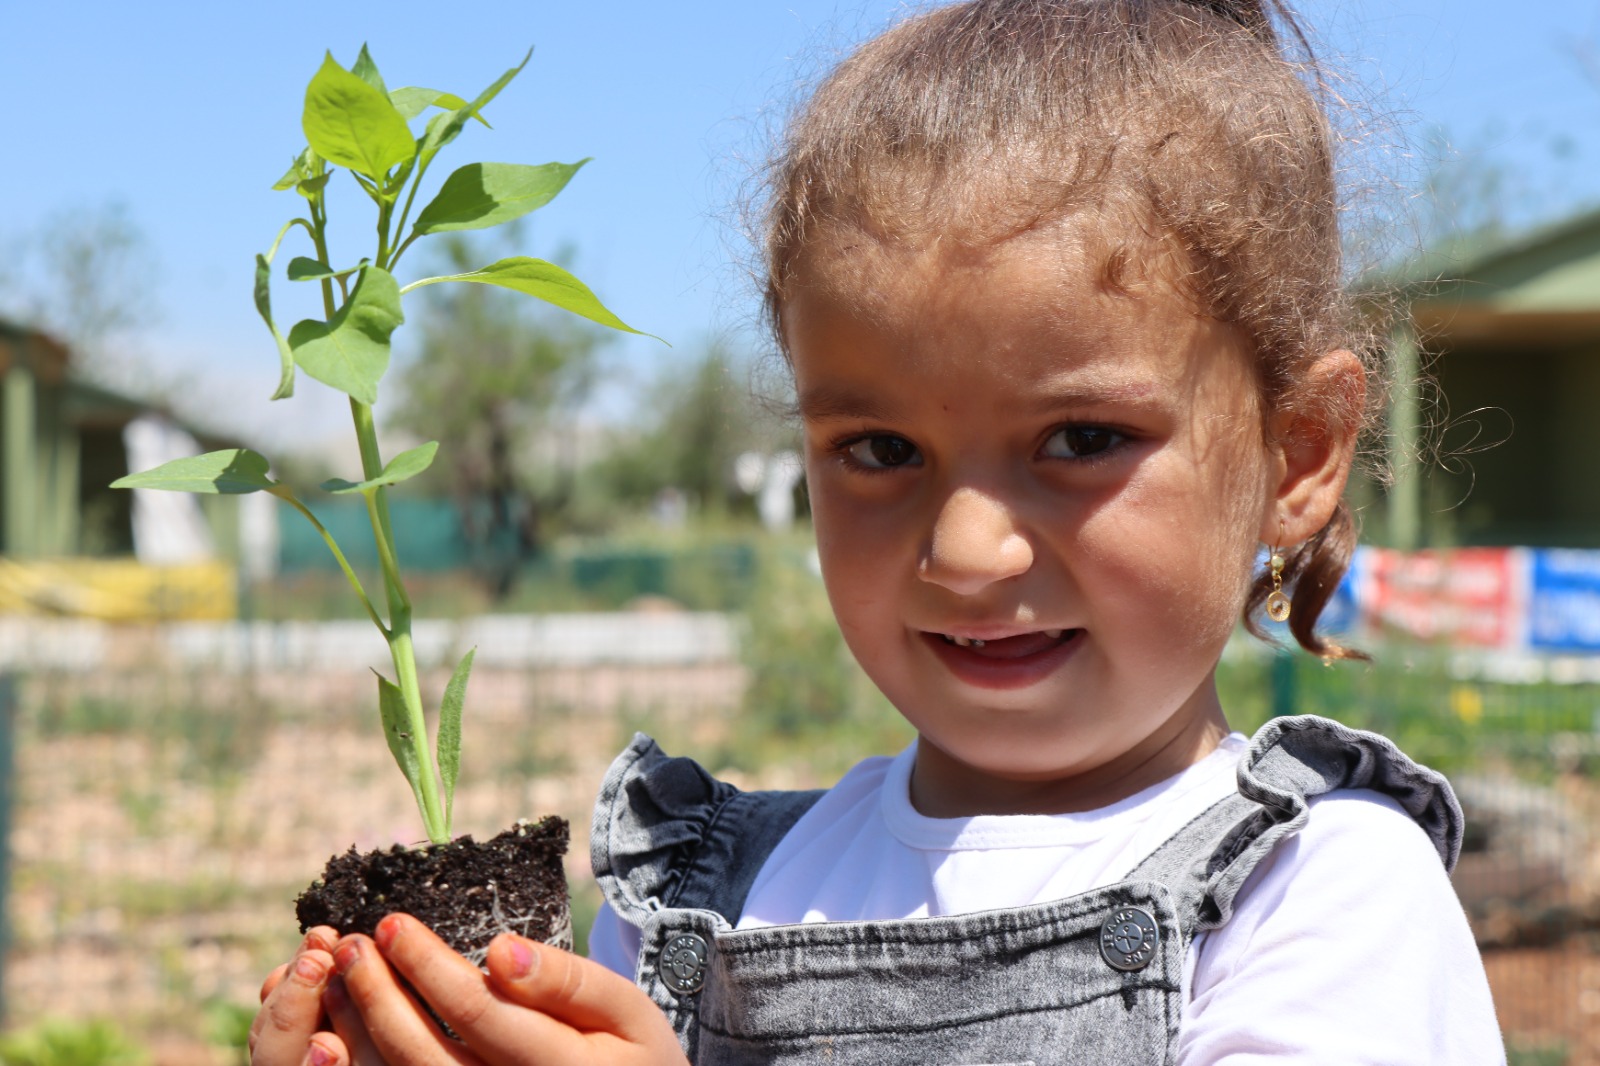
(1342, 612)
(1564, 602)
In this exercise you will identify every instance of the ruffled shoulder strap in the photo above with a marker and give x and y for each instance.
(666, 834)
(1291, 761)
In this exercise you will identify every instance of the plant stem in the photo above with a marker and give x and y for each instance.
(405, 216)
(283, 493)
(319, 239)
(401, 648)
(385, 209)
(403, 652)
(398, 632)
(393, 259)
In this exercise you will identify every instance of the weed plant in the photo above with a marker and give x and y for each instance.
(59, 1042)
(806, 700)
(1409, 695)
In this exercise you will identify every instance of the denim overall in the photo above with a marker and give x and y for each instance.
(1092, 980)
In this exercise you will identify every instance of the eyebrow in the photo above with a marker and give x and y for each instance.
(825, 403)
(1056, 395)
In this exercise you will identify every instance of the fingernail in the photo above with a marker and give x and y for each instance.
(347, 955)
(522, 957)
(309, 969)
(386, 932)
(320, 1056)
(335, 998)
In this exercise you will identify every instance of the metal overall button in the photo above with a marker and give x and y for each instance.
(1129, 938)
(682, 964)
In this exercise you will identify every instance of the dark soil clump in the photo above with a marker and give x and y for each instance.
(465, 891)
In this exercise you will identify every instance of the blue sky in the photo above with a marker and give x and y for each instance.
(186, 113)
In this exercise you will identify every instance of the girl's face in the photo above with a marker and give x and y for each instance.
(1037, 504)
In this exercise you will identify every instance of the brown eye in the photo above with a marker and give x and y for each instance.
(1080, 442)
(884, 452)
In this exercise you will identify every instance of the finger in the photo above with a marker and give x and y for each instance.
(491, 1026)
(291, 1011)
(348, 1024)
(318, 938)
(326, 1049)
(400, 1030)
(274, 979)
(571, 989)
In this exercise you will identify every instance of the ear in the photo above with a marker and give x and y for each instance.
(1313, 448)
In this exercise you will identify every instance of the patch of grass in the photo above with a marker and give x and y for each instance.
(76, 714)
(526, 754)
(214, 743)
(143, 805)
(142, 900)
(586, 899)
(59, 1042)
(807, 700)
(146, 901)
(1409, 696)
(228, 1028)
(1542, 1053)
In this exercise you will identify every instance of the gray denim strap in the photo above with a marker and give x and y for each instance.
(745, 829)
(666, 834)
(1290, 761)
(676, 852)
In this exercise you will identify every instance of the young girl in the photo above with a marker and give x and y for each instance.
(1059, 282)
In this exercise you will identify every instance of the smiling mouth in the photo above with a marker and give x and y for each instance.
(1019, 646)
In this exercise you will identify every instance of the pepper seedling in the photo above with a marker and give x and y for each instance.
(353, 122)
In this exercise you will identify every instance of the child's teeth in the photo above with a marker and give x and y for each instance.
(1053, 634)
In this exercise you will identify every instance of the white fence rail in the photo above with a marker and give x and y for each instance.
(516, 640)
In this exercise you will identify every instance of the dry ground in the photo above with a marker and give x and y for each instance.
(165, 823)
(155, 862)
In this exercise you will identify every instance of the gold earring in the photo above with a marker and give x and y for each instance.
(1277, 601)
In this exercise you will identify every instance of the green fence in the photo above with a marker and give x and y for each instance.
(1432, 704)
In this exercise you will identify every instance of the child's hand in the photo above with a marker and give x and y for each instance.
(537, 1006)
(291, 1002)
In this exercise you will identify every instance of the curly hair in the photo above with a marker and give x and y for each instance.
(1201, 124)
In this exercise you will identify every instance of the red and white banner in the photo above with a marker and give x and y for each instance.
(1472, 597)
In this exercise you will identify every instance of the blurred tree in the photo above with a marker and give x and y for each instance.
(84, 276)
(496, 380)
(699, 414)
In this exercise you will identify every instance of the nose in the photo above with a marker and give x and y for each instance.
(975, 543)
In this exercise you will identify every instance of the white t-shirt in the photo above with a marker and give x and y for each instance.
(1347, 944)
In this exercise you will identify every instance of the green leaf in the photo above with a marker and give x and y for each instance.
(408, 464)
(293, 176)
(350, 351)
(481, 195)
(303, 269)
(396, 727)
(413, 100)
(351, 124)
(369, 187)
(305, 176)
(449, 746)
(367, 71)
(442, 129)
(233, 472)
(548, 282)
(264, 306)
